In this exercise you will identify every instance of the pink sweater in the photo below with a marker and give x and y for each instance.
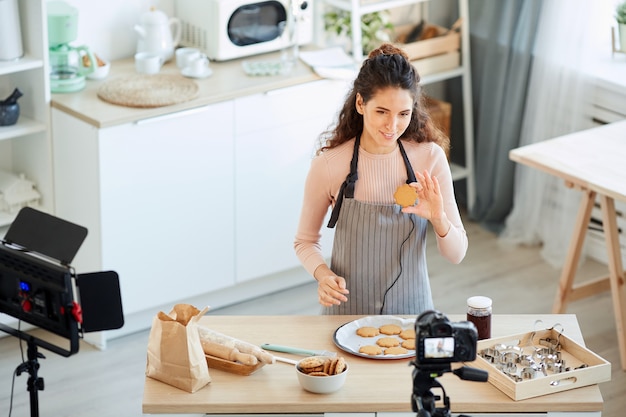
(379, 176)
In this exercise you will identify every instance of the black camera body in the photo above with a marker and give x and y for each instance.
(440, 341)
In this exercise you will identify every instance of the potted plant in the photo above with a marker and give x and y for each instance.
(376, 27)
(620, 16)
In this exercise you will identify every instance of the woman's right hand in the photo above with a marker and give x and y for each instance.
(331, 289)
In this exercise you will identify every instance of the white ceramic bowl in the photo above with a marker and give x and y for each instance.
(100, 72)
(321, 384)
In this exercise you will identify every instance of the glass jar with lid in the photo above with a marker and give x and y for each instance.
(479, 313)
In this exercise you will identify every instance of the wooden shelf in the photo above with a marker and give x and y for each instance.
(24, 126)
(22, 64)
(371, 7)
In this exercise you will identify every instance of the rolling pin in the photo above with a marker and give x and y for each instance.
(225, 352)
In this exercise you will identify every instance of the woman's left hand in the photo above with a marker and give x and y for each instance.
(429, 202)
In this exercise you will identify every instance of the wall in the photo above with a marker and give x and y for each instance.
(107, 26)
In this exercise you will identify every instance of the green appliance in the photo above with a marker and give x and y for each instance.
(67, 69)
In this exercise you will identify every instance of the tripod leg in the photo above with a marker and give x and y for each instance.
(35, 384)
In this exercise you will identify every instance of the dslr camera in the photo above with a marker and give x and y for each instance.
(440, 341)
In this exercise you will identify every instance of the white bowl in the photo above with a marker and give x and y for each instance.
(321, 384)
(100, 72)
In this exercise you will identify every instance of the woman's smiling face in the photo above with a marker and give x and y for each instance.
(385, 118)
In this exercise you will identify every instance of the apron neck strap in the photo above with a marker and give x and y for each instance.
(347, 188)
(409, 169)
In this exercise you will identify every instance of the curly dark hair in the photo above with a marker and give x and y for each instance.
(386, 66)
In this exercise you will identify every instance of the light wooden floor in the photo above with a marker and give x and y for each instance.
(110, 383)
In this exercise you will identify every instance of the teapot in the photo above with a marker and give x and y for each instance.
(158, 34)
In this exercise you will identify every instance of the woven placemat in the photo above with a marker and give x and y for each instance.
(154, 90)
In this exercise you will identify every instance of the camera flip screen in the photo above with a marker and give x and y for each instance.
(438, 347)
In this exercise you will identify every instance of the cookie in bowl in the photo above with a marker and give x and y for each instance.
(322, 374)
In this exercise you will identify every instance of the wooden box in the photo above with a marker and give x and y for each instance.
(582, 367)
(435, 54)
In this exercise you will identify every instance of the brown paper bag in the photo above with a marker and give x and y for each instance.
(175, 354)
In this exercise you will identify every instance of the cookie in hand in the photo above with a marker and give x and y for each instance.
(405, 195)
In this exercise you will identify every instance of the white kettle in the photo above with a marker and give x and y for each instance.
(158, 34)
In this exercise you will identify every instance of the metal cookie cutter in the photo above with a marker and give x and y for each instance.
(490, 355)
(556, 367)
(529, 372)
(510, 357)
(526, 360)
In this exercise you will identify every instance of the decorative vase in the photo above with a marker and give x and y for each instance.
(621, 29)
(9, 113)
(10, 109)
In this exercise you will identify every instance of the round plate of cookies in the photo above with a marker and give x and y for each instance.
(377, 337)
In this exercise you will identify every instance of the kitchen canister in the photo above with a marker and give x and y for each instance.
(10, 31)
(479, 313)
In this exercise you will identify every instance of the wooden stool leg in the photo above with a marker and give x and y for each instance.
(616, 272)
(573, 253)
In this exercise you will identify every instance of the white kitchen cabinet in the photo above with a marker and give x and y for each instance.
(276, 135)
(358, 8)
(157, 198)
(25, 148)
(197, 204)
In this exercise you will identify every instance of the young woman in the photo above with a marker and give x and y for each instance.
(383, 138)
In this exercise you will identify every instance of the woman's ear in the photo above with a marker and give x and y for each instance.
(358, 104)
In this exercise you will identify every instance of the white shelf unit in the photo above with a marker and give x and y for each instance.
(25, 148)
(358, 8)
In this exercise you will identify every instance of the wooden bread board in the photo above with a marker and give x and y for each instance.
(232, 367)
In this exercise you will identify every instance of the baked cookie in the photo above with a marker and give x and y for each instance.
(407, 334)
(390, 329)
(371, 350)
(315, 366)
(327, 364)
(312, 364)
(396, 350)
(340, 366)
(367, 331)
(408, 344)
(405, 195)
(387, 342)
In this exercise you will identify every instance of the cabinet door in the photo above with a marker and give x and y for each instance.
(275, 140)
(167, 205)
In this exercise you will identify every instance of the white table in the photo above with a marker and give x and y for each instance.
(373, 388)
(593, 161)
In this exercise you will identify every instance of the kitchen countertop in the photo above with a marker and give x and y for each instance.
(227, 82)
(371, 385)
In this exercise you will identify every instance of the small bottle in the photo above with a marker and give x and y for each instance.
(479, 313)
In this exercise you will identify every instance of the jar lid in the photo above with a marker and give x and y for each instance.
(479, 301)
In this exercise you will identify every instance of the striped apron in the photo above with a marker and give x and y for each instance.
(380, 251)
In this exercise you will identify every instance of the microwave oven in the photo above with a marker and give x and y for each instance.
(229, 29)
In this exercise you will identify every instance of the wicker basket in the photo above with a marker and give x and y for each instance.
(440, 112)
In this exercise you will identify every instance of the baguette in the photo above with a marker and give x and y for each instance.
(231, 342)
